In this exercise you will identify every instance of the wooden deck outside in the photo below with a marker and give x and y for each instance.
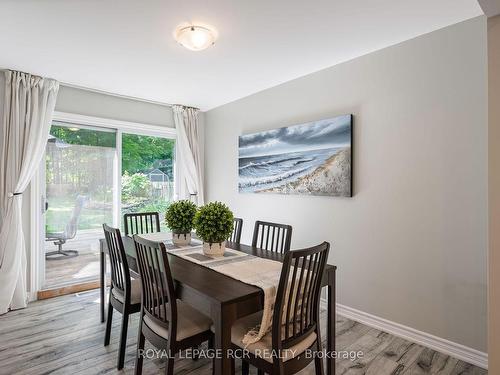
(82, 268)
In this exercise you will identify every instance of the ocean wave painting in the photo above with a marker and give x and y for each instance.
(313, 158)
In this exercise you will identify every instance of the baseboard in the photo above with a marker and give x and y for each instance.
(453, 349)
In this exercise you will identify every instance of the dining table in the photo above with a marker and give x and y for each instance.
(221, 297)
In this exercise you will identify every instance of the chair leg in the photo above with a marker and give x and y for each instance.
(140, 347)
(233, 365)
(108, 324)
(196, 350)
(211, 346)
(123, 341)
(245, 367)
(169, 366)
(318, 362)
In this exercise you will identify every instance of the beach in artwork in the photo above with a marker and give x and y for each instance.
(312, 158)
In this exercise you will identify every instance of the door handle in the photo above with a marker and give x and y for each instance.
(45, 205)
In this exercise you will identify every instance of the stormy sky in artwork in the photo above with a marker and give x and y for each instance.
(334, 132)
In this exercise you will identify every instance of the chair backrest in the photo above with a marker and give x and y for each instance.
(72, 226)
(296, 310)
(272, 236)
(158, 293)
(141, 222)
(120, 274)
(236, 235)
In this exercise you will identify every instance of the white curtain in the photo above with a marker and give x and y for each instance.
(27, 114)
(189, 176)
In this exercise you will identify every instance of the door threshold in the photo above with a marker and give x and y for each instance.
(68, 289)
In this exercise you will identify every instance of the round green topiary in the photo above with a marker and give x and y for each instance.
(214, 222)
(180, 215)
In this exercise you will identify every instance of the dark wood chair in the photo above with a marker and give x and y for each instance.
(125, 293)
(295, 326)
(272, 236)
(141, 222)
(168, 323)
(236, 235)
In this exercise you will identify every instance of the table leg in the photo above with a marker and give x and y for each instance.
(330, 343)
(223, 317)
(102, 279)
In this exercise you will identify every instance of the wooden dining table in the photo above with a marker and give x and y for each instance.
(223, 298)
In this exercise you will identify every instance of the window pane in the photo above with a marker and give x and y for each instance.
(147, 174)
(79, 166)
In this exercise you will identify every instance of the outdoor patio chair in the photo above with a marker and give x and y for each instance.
(60, 238)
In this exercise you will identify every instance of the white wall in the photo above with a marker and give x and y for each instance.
(411, 245)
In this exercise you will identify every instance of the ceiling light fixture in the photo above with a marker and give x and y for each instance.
(195, 38)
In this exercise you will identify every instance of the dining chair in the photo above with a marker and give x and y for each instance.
(167, 322)
(141, 222)
(272, 236)
(125, 293)
(295, 327)
(236, 234)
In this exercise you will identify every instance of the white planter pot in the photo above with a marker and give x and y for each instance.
(181, 239)
(215, 249)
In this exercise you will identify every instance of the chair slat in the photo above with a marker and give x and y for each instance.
(141, 223)
(120, 274)
(236, 234)
(157, 287)
(297, 300)
(264, 236)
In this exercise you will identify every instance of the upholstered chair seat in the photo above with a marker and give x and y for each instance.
(190, 322)
(135, 293)
(265, 344)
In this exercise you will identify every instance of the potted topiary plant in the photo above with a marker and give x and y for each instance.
(179, 218)
(214, 224)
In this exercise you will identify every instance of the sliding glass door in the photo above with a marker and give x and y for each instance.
(147, 179)
(94, 175)
(80, 170)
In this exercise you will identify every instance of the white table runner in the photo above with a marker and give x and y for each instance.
(260, 272)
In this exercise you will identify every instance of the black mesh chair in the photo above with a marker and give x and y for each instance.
(69, 232)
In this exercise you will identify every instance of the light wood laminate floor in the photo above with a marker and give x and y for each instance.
(63, 335)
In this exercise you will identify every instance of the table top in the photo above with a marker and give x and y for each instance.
(214, 285)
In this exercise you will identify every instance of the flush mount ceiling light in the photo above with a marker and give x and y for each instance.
(195, 38)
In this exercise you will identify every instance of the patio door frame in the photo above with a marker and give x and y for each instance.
(36, 268)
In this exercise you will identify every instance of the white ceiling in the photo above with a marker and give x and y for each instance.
(126, 46)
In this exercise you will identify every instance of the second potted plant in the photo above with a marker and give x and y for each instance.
(214, 224)
(179, 218)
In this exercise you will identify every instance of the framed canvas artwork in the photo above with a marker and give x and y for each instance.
(314, 158)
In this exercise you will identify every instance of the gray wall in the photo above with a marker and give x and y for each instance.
(494, 193)
(83, 102)
(411, 245)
